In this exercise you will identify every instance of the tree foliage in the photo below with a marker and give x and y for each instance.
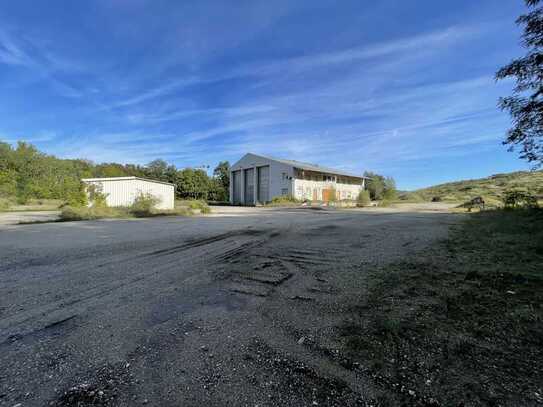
(389, 189)
(519, 199)
(221, 175)
(193, 184)
(26, 173)
(380, 187)
(375, 185)
(363, 198)
(526, 104)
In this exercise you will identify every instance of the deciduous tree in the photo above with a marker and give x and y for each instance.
(526, 104)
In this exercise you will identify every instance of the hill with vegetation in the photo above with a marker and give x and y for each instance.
(492, 188)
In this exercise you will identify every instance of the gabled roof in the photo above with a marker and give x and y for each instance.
(123, 179)
(311, 167)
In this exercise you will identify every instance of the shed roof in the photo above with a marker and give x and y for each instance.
(124, 179)
(312, 167)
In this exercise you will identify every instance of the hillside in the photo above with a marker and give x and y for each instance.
(491, 188)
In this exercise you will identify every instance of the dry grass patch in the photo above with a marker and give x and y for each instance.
(91, 213)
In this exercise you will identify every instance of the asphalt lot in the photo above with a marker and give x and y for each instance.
(191, 311)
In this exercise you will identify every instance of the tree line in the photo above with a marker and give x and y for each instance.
(27, 173)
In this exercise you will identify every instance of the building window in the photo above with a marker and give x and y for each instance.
(284, 191)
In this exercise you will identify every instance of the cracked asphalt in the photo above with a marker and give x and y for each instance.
(214, 311)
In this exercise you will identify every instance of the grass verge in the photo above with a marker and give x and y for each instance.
(461, 324)
(9, 204)
(284, 200)
(197, 205)
(91, 213)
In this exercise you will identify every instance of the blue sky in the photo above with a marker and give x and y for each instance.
(402, 88)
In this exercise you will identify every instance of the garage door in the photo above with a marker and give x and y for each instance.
(263, 178)
(236, 183)
(249, 186)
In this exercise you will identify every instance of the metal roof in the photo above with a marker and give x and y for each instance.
(312, 167)
(124, 179)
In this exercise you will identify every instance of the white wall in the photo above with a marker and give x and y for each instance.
(303, 189)
(123, 192)
(299, 188)
(278, 183)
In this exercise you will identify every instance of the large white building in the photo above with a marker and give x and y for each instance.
(258, 179)
(122, 191)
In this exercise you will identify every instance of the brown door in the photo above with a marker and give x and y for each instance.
(327, 194)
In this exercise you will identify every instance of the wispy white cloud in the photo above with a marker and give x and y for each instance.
(159, 116)
(39, 137)
(431, 40)
(20, 50)
(153, 93)
(192, 96)
(268, 70)
(11, 53)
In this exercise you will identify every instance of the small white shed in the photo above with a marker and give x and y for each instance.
(122, 191)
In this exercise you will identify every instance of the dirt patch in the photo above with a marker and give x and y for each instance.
(15, 218)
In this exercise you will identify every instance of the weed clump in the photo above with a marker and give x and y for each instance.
(284, 200)
(71, 213)
(363, 198)
(5, 204)
(144, 205)
(199, 205)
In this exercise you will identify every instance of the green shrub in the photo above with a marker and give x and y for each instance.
(385, 203)
(363, 198)
(200, 205)
(22, 199)
(144, 204)
(197, 204)
(5, 203)
(416, 197)
(390, 195)
(96, 197)
(519, 199)
(284, 200)
(78, 198)
(194, 204)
